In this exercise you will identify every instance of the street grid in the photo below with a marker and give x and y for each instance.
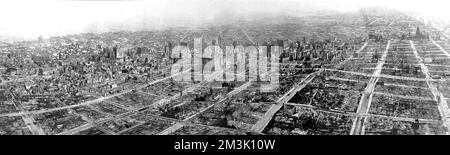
(378, 80)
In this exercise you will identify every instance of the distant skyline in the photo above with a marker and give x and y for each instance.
(33, 18)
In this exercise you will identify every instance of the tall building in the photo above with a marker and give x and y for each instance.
(106, 52)
(114, 53)
(418, 33)
(138, 51)
(121, 53)
(109, 53)
(218, 40)
(167, 49)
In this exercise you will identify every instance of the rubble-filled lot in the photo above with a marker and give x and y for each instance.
(118, 125)
(438, 68)
(287, 82)
(109, 108)
(253, 94)
(40, 102)
(233, 114)
(6, 103)
(7, 107)
(404, 59)
(338, 74)
(185, 110)
(31, 103)
(438, 75)
(152, 126)
(388, 126)
(207, 130)
(389, 81)
(401, 107)
(74, 99)
(91, 131)
(328, 99)
(336, 83)
(443, 87)
(165, 88)
(58, 121)
(398, 70)
(135, 100)
(13, 126)
(292, 120)
(89, 113)
(405, 91)
(360, 65)
(438, 60)
(330, 94)
(191, 103)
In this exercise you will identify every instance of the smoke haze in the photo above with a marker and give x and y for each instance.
(30, 19)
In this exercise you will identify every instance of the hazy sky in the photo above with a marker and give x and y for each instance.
(32, 18)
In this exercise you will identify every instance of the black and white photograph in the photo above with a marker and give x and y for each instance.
(251, 68)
